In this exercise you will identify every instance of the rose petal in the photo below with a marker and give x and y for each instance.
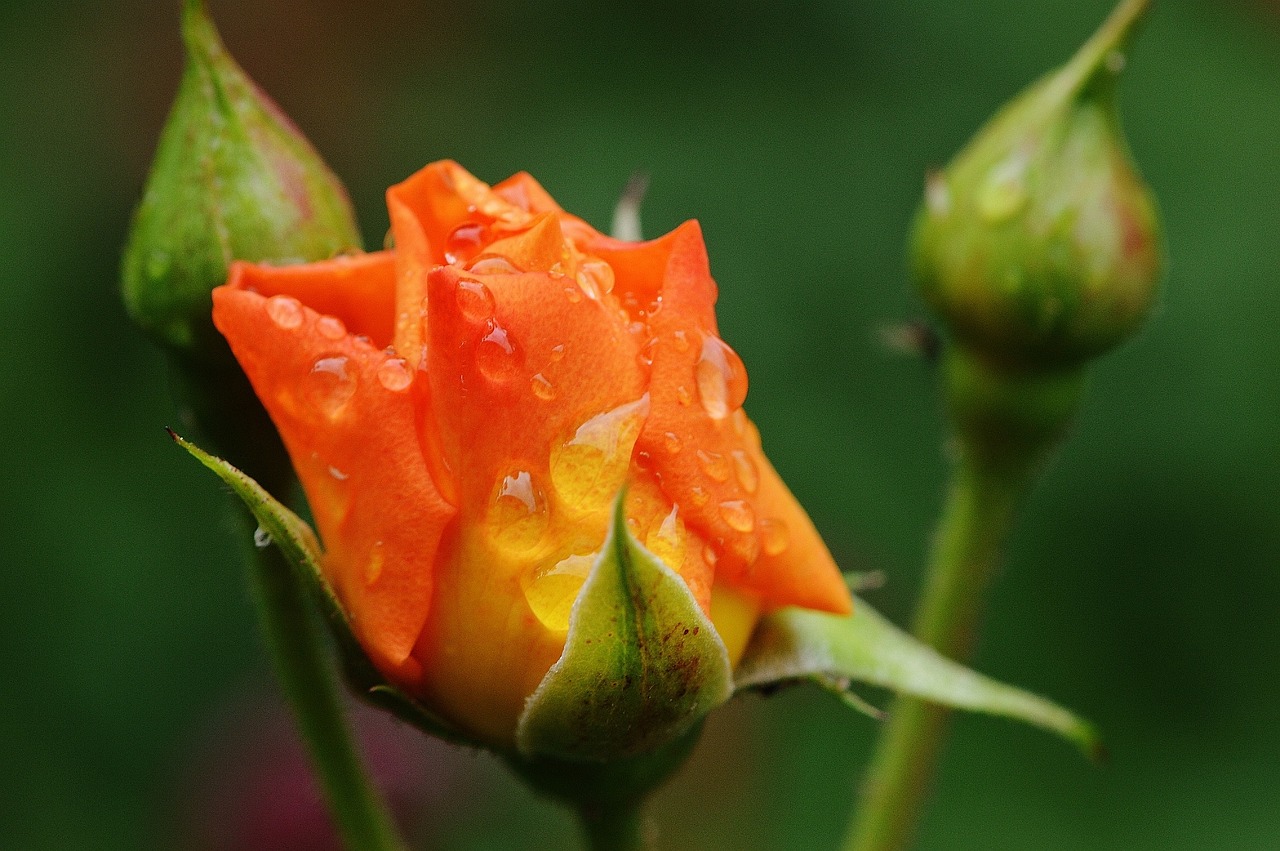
(345, 415)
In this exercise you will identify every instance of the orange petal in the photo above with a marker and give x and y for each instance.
(359, 289)
(527, 193)
(344, 411)
(518, 363)
(705, 453)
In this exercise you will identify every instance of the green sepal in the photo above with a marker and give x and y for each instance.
(798, 644)
(642, 663)
(298, 542)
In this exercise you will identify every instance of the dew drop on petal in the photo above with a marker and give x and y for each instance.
(681, 341)
(475, 301)
(721, 378)
(684, 396)
(714, 465)
(573, 294)
(496, 353)
(518, 517)
(595, 277)
(373, 567)
(261, 538)
(464, 241)
(774, 536)
(666, 539)
(331, 327)
(285, 311)
(588, 469)
(394, 375)
(698, 496)
(335, 473)
(709, 555)
(552, 591)
(738, 514)
(746, 548)
(745, 468)
(330, 385)
(672, 442)
(494, 264)
(557, 353)
(542, 388)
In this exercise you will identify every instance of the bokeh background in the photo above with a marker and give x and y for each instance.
(1141, 587)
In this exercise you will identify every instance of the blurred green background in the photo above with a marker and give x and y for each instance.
(1141, 588)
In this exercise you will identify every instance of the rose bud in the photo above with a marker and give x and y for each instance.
(465, 410)
(233, 179)
(1039, 244)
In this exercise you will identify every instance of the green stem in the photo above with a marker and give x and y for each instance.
(1007, 421)
(614, 827)
(975, 522)
(298, 652)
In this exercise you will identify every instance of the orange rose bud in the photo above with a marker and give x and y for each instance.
(464, 410)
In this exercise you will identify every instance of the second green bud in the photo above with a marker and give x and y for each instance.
(1039, 245)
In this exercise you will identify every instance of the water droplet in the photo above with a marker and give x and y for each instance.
(464, 241)
(552, 591)
(595, 277)
(738, 514)
(331, 327)
(285, 311)
(542, 388)
(1004, 190)
(672, 442)
(588, 469)
(721, 378)
(494, 264)
(645, 355)
(475, 301)
(774, 536)
(261, 538)
(748, 474)
(739, 422)
(373, 567)
(557, 354)
(698, 496)
(495, 353)
(330, 386)
(681, 340)
(666, 540)
(394, 374)
(573, 294)
(937, 195)
(518, 517)
(158, 263)
(337, 474)
(714, 465)
(746, 548)
(684, 396)
(709, 555)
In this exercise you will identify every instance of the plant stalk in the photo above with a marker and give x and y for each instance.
(296, 645)
(614, 827)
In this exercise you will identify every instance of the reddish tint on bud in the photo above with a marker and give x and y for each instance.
(233, 179)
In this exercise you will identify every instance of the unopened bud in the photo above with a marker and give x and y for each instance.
(1039, 245)
(233, 179)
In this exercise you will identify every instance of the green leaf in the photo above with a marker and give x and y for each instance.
(642, 663)
(280, 526)
(795, 644)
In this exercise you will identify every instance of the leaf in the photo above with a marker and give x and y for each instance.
(642, 663)
(795, 644)
(280, 526)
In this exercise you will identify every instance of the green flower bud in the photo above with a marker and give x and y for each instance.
(233, 179)
(1039, 245)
